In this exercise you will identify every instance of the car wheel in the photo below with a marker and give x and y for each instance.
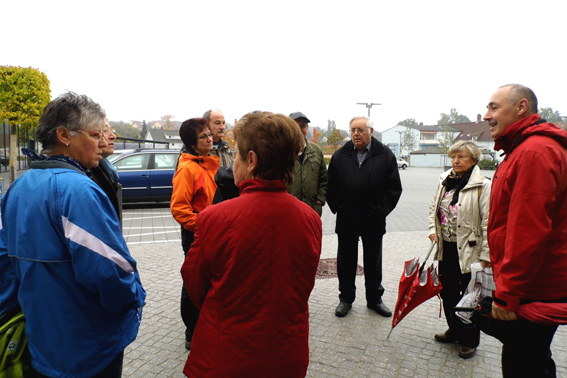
(404, 166)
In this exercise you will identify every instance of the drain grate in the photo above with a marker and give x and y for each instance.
(328, 269)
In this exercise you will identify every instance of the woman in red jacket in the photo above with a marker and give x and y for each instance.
(252, 266)
(193, 190)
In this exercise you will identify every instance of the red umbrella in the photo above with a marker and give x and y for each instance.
(416, 286)
(544, 313)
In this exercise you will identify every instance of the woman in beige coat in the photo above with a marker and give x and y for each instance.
(458, 217)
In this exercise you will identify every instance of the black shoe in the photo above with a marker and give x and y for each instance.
(188, 344)
(342, 309)
(381, 309)
(445, 338)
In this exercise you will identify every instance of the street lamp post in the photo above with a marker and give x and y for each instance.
(368, 105)
(400, 152)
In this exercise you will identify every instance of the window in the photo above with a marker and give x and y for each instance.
(133, 162)
(165, 161)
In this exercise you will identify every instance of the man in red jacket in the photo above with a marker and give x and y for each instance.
(527, 226)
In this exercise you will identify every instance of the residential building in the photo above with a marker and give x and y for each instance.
(427, 150)
(170, 136)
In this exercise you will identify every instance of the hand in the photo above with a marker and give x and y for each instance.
(433, 238)
(502, 314)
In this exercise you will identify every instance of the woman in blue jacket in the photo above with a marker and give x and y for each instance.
(79, 287)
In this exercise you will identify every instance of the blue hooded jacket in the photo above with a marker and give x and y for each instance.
(79, 287)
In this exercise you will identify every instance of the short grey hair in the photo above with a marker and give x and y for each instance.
(369, 123)
(207, 114)
(71, 111)
(465, 145)
(518, 92)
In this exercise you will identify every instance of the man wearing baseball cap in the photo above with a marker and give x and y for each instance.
(310, 175)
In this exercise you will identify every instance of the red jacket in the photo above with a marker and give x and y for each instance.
(251, 270)
(527, 226)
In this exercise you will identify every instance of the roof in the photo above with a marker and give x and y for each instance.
(467, 130)
(161, 135)
(480, 130)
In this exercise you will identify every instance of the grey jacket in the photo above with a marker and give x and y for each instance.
(225, 153)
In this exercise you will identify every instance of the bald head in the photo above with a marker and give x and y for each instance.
(518, 92)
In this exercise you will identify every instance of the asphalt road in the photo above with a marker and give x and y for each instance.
(144, 223)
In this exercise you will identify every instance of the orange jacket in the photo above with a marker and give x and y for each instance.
(193, 188)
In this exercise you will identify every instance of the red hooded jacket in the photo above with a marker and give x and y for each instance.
(527, 226)
(251, 270)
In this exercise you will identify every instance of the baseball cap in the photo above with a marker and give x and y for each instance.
(297, 115)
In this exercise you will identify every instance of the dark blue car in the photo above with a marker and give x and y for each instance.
(145, 175)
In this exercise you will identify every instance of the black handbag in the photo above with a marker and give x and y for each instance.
(483, 320)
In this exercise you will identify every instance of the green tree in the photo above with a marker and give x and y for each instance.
(331, 125)
(335, 139)
(452, 117)
(24, 92)
(125, 130)
(144, 129)
(410, 122)
(550, 115)
(409, 139)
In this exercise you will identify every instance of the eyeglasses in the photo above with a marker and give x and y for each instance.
(355, 130)
(459, 157)
(96, 135)
(205, 136)
(107, 131)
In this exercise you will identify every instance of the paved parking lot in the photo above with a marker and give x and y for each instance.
(354, 346)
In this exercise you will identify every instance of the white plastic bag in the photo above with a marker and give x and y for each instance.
(480, 286)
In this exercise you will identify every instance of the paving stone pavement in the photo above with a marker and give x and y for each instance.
(354, 346)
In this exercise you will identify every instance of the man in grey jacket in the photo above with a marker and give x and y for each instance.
(221, 149)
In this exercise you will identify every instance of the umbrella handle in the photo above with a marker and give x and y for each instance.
(426, 257)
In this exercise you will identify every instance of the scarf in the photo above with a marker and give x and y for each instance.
(71, 161)
(457, 183)
(63, 158)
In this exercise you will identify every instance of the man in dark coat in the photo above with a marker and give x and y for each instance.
(106, 176)
(364, 187)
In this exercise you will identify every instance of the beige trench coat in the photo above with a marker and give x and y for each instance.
(472, 219)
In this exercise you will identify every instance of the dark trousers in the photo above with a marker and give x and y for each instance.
(454, 285)
(114, 370)
(347, 261)
(189, 313)
(526, 350)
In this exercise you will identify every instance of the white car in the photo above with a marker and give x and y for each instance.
(402, 163)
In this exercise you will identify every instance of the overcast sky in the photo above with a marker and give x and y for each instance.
(142, 60)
